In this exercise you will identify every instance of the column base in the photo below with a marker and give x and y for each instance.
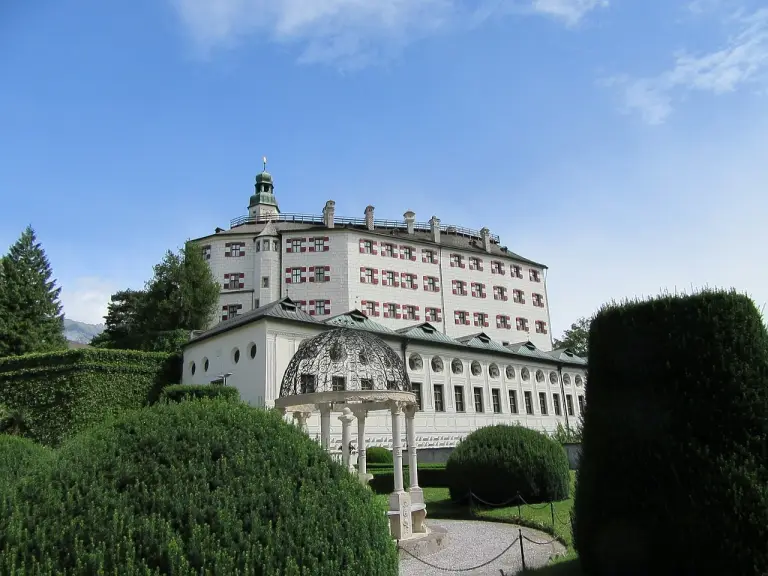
(417, 495)
(365, 478)
(400, 522)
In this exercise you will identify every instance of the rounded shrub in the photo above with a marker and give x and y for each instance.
(181, 392)
(498, 463)
(198, 487)
(378, 455)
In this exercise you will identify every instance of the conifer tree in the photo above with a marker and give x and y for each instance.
(31, 318)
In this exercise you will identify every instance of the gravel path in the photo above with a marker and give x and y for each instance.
(470, 543)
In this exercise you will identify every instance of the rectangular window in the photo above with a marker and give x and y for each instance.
(496, 399)
(338, 383)
(439, 403)
(428, 256)
(230, 311)
(416, 389)
(256, 303)
(237, 250)
(581, 404)
(522, 324)
(478, 290)
(517, 271)
(541, 327)
(528, 402)
(481, 319)
(366, 247)
(275, 245)
(307, 383)
(296, 245)
(388, 250)
(461, 317)
(369, 308)
(538, 300)
(391, 311)
(432, 315)
(478, 395)
(458, 397)
(366, 384)
(556, 404)
(497, 267)
(320, 245)
(475, 263)
(258, 246)
(411, 312)
(320, 275)
(534, 275)
(502, 321)
(321, 307)
(513, 401)
(388, 278)
(406, 253)
(518, 296)
(457, 261)
(206, 252)
(459, 287)
(296, 275)
(569, 404)
(430, 284)
(499, 293)
(233, 281)
(265, 281)
(543, 403)
(409, 281)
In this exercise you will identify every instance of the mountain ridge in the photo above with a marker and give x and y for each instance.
(81, 332)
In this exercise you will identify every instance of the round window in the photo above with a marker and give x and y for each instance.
(236, 355)
(192, 368)
(252, 351)
(205, 364)
(510, 372)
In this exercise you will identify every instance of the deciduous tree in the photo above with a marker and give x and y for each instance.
(576, 337)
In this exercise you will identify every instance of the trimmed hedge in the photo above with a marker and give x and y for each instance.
(189, 488)
(673, 476)
(180, 392)
(498, 463)
(17, 456)
(62, 393)
(430, 476)
(378, 455)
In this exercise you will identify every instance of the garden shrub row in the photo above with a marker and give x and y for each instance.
(430, 476)
(189, 488)
(673, 475)
(180, 392)
(17, 457)
(62, 393)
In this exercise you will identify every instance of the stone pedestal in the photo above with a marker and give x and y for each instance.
(346, 437)
(325, 426)
(400, 515)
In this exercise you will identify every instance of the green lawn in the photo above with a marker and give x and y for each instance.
(538, 516)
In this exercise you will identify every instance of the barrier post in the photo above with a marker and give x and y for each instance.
(552, 511)
(522, 550)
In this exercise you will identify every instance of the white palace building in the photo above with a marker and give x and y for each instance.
(469, 318)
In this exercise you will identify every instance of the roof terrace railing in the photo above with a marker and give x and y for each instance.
(389, 224)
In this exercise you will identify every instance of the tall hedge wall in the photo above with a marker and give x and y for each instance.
(673, 476)
(61, 393)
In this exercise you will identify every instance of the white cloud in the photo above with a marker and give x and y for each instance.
(569, 11)
(351, 31)
(742, 61)
(86, 299)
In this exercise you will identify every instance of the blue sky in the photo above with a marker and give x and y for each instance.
(624, 142)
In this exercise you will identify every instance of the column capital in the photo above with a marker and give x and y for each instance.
(410, 411)
(395, 407)
(346, 415)
(324, 407)
(360, 411)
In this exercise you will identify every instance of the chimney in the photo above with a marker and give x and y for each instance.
(434, 226)
(410, 220)
(485, 234)
(369, 217)
(328, 213)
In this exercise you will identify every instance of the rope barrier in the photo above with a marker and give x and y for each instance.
(540, 543)
(436, 567)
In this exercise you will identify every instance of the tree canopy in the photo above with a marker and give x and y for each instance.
(576, 337)
(31, 318)
(181, 296)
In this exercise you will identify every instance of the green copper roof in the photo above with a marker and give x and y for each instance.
(265, 177)
(426, 331)
(482, 340)
(356, 319)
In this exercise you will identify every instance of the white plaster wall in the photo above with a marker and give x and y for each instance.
(259, 383)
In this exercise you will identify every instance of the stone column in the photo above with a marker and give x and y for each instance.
(397, 447)
(362, 467)
(410, 433)
(346, 437)
(325, 426)
(301, 420)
